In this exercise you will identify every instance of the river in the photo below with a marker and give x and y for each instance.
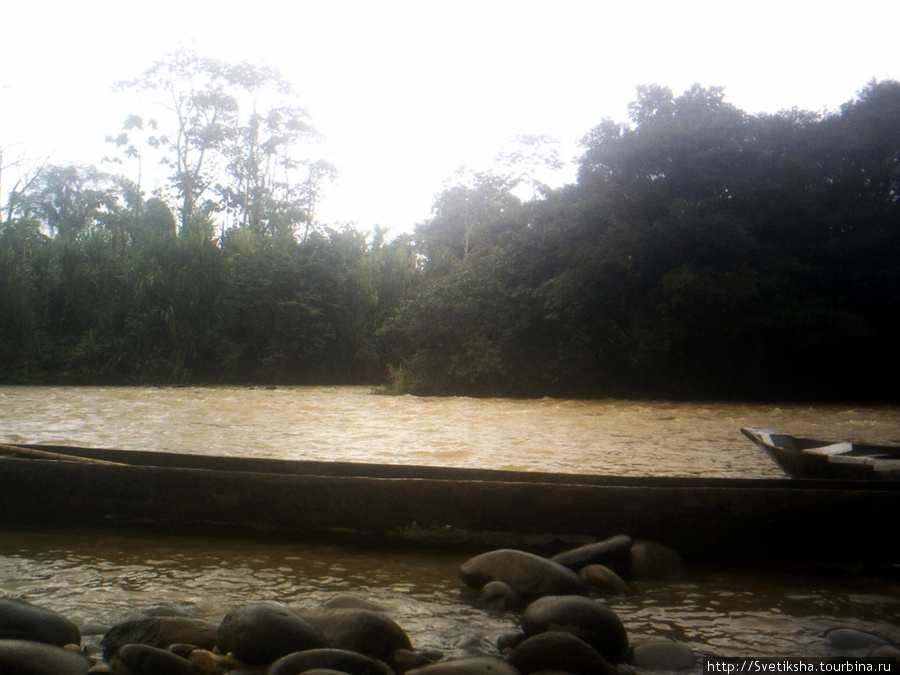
(101, 577)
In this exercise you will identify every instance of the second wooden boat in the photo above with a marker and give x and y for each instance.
(811, 458)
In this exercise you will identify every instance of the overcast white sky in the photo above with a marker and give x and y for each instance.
(407, 91)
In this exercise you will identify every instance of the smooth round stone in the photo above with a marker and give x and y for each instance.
(662, 655)
(360, 630)
(587, 619)
(603, 579)
(147, 660)
(500, 595)
(263, 632)
(341, 660)
(609, 552)
(652, 560)
(210, 663)
(557, 650)
(350, 601)
(161, 632)
(474, 665)
(852, 639)
(529, 575)
(21, 620)
(25, 657)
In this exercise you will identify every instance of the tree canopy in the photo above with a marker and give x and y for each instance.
(701, 252)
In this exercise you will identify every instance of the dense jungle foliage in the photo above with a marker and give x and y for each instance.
(701, 252)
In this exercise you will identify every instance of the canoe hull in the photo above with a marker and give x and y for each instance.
(703, 519)
(810, 458)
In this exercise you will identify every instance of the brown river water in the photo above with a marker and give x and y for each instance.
(101, 577)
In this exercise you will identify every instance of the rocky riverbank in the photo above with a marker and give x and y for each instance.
(564, 625)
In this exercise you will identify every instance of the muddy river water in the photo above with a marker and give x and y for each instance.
(99, 577)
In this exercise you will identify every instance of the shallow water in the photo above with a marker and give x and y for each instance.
(101, 577)
(98, 577)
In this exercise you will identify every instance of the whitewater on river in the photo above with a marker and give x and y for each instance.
(99, 577)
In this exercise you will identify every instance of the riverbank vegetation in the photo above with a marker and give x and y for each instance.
(702, 251)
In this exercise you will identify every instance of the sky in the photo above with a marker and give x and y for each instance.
(406, 92)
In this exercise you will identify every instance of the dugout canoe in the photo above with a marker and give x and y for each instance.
(814, 458)
(707, 519)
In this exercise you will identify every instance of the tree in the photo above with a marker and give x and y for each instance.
(532, 157)
(467, 214)
(260, 193)
(216, 161)
(70, 200)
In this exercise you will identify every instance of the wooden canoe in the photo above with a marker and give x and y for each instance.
(811, 458)
(705, 519)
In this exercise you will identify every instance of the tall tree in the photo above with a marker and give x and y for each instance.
(220, 158)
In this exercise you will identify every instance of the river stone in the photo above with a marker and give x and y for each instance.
(351, 601)
(652, 560)
(360, 630)
(886, 652)
(161, 632)
(341, 660)
(26, 657)
(403, 660)
(561, 651)
(587, 619)
(473, 665)
(211, 663)
(529, 575)
(852, 639)
(612, 552)
(263, 632)
(147, 660)
(500, 595)
(603, 579)
(21, 620)
(662, 655)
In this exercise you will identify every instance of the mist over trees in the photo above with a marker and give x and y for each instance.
(701, 252)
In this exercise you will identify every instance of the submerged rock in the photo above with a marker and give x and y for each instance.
(853, 639)
(662, 655)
